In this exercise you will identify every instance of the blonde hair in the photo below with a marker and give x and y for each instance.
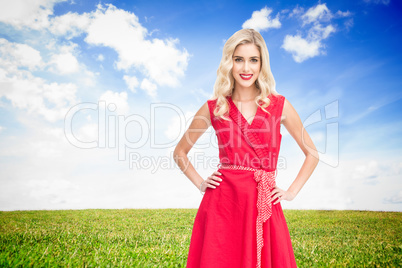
(224, 83)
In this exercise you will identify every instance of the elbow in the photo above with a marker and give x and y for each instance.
(178, 153)
(175, 151)
(313, 155)
(316, 158)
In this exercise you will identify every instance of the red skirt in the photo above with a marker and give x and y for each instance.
(224, 231)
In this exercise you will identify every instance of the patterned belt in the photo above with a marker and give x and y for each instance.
(265, 184)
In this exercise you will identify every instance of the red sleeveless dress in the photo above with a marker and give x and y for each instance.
(236, 225)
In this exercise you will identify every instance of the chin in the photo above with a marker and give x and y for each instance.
(246, 84)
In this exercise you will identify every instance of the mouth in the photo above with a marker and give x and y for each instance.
(246, 76)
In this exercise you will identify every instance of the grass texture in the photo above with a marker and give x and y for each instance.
(161, 238)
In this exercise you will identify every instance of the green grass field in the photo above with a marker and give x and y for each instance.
(161, 237)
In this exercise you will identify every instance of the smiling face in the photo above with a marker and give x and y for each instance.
(246, 65)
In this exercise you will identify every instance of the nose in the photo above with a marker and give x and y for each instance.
(246, 67)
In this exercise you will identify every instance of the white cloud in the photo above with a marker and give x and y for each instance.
(24, 90)
(70, 25)
(319, 12)
(21, 60)
(348, 24)
(15, 55)
(31, 14)
(100, 57)
(159, 60)
(117, 99)
(131, 82)
(301, 48)
(261, 20)
(37, 96)
(65, 62)
(317, 32)
(2, 128)
(88, 78)
(27, 56)
(88, 132)
(148, 87)
(296, 11)
(343, 13)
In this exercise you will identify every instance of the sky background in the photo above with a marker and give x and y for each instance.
(94, 96)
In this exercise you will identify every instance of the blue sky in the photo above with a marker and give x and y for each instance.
(337, 62)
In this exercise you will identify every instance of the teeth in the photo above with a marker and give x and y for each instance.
(247, 76)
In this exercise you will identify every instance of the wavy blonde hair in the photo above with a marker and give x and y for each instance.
(224, 83)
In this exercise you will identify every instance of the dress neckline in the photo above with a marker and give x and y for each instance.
(243, 119)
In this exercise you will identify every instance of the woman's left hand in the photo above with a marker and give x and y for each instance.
(279, 194)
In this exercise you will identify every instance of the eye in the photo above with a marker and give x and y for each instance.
(238, 60)
(254, 60)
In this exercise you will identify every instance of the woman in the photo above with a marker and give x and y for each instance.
(240, 222)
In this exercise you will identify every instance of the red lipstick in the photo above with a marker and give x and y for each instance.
(246, 76)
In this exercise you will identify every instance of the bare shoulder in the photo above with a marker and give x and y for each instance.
(288, 111)
(203, 115)
(204, 110)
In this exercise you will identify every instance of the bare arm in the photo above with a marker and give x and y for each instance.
(294, 125)
(198, 126)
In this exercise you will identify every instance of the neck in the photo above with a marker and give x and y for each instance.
(245, 94)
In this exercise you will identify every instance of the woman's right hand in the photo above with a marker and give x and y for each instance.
(211, 181)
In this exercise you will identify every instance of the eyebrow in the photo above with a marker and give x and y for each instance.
(253, 57)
